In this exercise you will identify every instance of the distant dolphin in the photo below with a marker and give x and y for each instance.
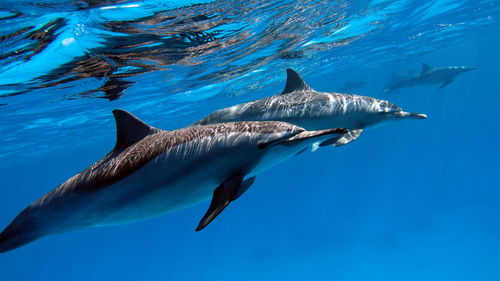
(428, 75)
(299, 104)
(151, 172)
(352, 86)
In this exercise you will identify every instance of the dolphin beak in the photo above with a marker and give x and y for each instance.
(411, 115)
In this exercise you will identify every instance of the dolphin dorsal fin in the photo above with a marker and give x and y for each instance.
(294, 82)
(425, 68)
(130, 129)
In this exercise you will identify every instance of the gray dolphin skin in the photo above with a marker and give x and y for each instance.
(442, 76)
(150, 172)
(299, 104)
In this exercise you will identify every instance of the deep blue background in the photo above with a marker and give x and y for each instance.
(411, 200)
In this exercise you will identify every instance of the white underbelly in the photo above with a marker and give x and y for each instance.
(147, 194)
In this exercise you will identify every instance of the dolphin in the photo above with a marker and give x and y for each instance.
(428, 75)
(352, 86)
(151, 171)
(299, 104)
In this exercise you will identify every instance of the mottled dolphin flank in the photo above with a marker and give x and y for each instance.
(150, 172)
(428, 76)
(299, 104)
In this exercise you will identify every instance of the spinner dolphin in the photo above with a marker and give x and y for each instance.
(299, 104)
(150, 172)
(428, 76)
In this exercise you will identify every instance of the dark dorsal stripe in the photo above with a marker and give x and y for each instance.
(120, 163)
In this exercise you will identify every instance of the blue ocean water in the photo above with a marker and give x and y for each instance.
(410, 200)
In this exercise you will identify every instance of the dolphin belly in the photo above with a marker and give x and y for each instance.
(130, 202)
(162, 186)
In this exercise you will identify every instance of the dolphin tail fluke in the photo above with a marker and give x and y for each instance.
(21, 231)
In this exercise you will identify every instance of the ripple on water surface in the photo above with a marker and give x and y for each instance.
(67, 64)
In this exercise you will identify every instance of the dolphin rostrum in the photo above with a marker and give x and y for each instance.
(299, 104)
(150, 172)
(428, 75)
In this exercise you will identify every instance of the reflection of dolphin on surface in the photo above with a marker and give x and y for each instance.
(428, 75)
(301, 105)
(112, 89)
(151, 171)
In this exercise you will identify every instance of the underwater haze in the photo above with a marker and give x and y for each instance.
(409, 200)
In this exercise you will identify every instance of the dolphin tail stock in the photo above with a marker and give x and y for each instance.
(9, 241)
(394, 77)
(22, 230)
(389, 86)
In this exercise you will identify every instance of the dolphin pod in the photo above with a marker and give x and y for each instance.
(150, 171)
(299, 104)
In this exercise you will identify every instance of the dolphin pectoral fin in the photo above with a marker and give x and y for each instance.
(446, 83)
(346, 138)
(245, 185)
(231, 189)
(329, 141)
